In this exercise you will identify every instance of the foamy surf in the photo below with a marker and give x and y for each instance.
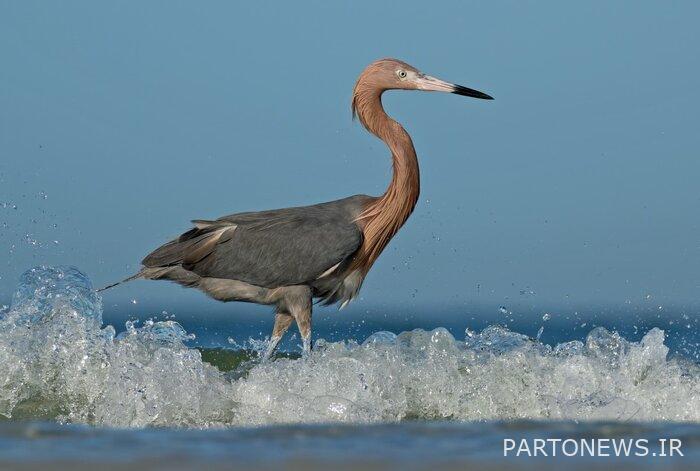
(58, 362)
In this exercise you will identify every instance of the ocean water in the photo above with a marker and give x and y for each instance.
(75, 392)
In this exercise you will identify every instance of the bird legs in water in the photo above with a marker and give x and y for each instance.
(293, 302)
(295, 305)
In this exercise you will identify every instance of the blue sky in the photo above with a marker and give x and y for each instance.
(578, 185)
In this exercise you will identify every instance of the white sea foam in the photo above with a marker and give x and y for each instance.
(57, 361)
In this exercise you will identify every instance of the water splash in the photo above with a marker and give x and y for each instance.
(58, 362)
(43, 291)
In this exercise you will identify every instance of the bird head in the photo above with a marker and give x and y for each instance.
(393, 74)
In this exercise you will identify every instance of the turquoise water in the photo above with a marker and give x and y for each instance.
(77, 390)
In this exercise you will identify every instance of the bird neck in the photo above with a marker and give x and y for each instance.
(384, 216)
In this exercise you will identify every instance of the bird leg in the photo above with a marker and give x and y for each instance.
(282, 322)
(298, 301)
(295, 301)
(303, 318)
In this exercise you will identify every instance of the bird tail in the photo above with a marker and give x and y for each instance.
(132, 277)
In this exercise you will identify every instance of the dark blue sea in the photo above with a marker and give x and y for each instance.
(82, 386)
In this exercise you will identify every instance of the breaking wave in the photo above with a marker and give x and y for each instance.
(58, 362)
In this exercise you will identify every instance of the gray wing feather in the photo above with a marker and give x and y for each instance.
(269, 248)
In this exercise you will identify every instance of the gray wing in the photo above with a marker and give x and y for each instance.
(269, 248)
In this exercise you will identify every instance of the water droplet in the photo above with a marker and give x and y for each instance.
(31, 240)
(546, 316)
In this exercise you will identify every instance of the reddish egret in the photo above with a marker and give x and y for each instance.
(288, 257)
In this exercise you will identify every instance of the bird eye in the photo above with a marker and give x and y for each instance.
(401, 74)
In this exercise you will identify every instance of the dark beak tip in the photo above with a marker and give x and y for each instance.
(464, 91)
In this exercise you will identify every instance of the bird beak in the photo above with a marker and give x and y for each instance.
(432, 84)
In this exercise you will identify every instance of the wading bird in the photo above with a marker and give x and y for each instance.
(288, 257)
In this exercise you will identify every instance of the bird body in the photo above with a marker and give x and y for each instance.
(272, 249)
(288, 257)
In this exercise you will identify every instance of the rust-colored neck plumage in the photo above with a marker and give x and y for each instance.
(383, 217)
